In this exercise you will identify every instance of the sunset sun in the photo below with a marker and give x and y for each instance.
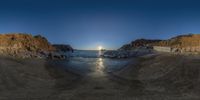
(100, 47)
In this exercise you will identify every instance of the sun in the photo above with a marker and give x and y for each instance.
(100, 47)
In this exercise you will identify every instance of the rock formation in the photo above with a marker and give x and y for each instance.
(138, 43)
(62, 47)
(189, 43)
(24, 45)
(183, 43)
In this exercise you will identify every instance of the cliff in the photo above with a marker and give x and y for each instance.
(181, 43)
(24, 45)
(184, 43)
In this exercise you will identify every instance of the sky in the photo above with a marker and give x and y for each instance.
(87, 24)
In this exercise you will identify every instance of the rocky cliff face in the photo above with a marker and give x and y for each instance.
(181, 43)
(62, 47)
(24, 45)
(184, 43)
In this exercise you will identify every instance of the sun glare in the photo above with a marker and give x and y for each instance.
(99, 47)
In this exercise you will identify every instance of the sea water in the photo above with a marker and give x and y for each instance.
(90, 61)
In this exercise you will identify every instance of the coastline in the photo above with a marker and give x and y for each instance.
(153, 77)
(32, 79)
(163, 76)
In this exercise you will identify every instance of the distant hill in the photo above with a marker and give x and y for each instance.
(24, 45)
(138, 43)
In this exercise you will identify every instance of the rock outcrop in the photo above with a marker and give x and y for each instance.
(138, 47)
(63, 47)
(138, 43)
(24, 45)
(183, 43)
(127, 53)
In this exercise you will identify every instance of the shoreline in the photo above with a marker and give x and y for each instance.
(165, 73)
(32, 78)
(154, 76)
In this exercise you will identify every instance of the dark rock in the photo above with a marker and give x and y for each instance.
(56, 56)
(138, 43)
(63, 47)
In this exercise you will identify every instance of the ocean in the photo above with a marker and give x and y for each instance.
(90, 61)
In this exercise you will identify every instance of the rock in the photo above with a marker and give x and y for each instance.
(63, 48)
(189, 43)
(138, 43)
(139, 51)
(182, 43)
(56, 56)
(117, 54)
(24, 45)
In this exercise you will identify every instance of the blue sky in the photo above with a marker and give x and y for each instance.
(86, 24)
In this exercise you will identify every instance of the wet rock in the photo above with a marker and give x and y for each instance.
(56, 56)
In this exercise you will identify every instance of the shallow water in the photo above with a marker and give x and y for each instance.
(89, 62)
(96, 83)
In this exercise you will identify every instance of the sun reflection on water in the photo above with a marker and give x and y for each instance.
(100, 66)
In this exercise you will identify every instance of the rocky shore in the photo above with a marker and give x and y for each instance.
(182, 44)
(27, 46)
(63, 48)
(149, 75)
(140, 51)
(189, 43)
(138, 43)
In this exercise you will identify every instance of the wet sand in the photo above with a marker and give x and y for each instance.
(148, 79)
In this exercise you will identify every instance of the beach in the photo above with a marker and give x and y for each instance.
(99, 50)
(150, 77)
(24, 79)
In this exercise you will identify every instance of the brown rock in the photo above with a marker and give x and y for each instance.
(24, 45)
